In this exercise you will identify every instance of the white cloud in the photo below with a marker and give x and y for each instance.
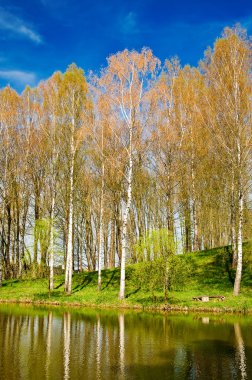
(18, 77)
(17, 26)
(129, 23)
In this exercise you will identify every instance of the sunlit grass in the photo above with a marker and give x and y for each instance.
(210, 274)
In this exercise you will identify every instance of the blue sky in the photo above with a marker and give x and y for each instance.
(38, 37)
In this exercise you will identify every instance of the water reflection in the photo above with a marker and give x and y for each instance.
(98, 348)
(67, 337)
(205, 320)
(240, 351)
(48, 344)
(121, 345)
(53, 344)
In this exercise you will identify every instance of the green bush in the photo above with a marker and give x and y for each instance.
(164, 273)
(155, 244)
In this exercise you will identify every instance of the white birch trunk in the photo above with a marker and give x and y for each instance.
(4, 207)
(53, 196)
(194, 211)
(233, 224)
(69, 250)
(28, 132)
(238, 274)
(100, 239)
(101, 223)
(51, 244)
(125, 219)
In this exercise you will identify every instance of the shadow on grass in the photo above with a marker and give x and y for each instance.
(10, 282)
(58, 286)
(132, 292)
(228, 264)
(217, 274)
(47, 295)
(112, 280)
(150, 300)
(87, 280)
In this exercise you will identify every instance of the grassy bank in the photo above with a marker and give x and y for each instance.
(210, 274)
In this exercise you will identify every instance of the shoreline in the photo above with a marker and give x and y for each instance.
(158, 309)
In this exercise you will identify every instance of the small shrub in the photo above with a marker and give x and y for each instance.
(163, 274)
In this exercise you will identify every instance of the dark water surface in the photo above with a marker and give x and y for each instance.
(41, 343)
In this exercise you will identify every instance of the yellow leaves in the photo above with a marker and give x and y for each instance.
(73, 86)
(80, 135)
(128, 66)
(9, 106)
(228, 72)
(125, 84)
(231, 57)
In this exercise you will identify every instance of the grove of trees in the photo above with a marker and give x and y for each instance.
(94, 168)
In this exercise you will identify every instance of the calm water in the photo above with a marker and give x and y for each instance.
(39, 343)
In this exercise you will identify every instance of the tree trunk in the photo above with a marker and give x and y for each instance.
(1, 269)
(118, 241)
(51, 244)
(194, 211)
(112, 244)
(22, 243)
(88, 242)
(69, 250)
(78, 245)
(101, 241)
(8, 240)
(233, 225)
(125, 219)
(238, 274)
(36, 229)
(105, 249)
(81, 245)
(18, 256)
(2, 253)
(188, 228)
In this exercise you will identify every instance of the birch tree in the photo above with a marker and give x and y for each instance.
(73, 106)
(228, 72)
(9, 118)
(51, 102)
(187, 104)
(127, 80)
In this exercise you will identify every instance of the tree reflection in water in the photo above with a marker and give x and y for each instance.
(67, 331)
(240, 351)
(98, 345)
(121, 345)
(48, 345)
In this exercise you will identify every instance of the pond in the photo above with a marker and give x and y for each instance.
(54, 343)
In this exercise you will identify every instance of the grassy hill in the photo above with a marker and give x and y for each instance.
(210, 274)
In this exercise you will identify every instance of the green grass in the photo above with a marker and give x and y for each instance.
(210, 275)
